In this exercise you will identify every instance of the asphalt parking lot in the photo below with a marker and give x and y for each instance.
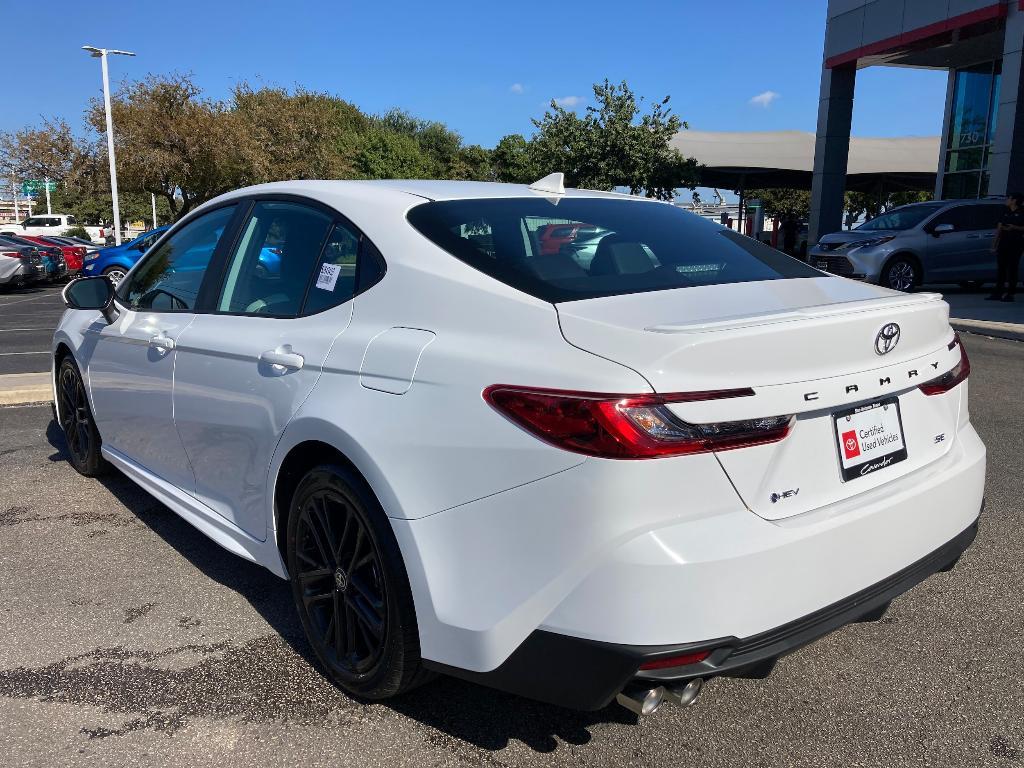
(27, 319)
(130, 639)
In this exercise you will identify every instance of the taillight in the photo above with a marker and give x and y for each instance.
(950, 378)
(11, 254)
(629, 426)
(676, 661)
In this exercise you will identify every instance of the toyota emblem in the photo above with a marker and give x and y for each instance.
(887, 338)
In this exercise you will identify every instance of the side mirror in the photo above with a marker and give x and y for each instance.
(942, 228)
(91, 293)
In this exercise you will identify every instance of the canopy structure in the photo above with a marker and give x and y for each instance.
(767, 159)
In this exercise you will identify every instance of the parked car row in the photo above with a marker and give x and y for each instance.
(29, 259)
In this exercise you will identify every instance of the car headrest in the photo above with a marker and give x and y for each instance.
(618, 255)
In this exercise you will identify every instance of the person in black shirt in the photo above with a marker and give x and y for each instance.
(790, 226)
(1008, 245)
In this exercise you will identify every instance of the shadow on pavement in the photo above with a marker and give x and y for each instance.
(480, 716)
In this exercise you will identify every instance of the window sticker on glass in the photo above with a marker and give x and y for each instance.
(328, 276)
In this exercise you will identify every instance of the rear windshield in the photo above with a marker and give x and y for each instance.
(638, 246)
(902, 218)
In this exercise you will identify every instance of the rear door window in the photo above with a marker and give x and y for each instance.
(986, 217)
(623, 246)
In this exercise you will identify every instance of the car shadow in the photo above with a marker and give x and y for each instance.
(480, 716)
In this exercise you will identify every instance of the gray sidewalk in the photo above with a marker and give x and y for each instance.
(968, 311)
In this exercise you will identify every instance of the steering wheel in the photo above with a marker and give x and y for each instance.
(147, 298)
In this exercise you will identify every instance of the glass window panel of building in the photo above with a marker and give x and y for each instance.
(971, 131)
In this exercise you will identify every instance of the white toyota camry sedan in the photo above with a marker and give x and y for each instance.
(579, 474)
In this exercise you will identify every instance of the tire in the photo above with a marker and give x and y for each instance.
(77, 423)
(350, 587)
(901, 274)
(115, 274)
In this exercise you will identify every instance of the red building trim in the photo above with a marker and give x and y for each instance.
(898, 42)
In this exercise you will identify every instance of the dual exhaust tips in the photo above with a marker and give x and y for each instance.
(646, 701)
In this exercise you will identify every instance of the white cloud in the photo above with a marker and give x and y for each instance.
(569, 101)
(764, 99)
(517, 88)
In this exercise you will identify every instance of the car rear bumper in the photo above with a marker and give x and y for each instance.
(587, 674)
(661, 555)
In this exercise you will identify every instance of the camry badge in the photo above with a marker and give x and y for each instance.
(887, 338)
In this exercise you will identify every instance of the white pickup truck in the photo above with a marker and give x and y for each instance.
(54, 224)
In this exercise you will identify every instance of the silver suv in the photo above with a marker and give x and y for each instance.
(947, 241)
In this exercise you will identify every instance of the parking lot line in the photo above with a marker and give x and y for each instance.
(6, 354)
(23, 301)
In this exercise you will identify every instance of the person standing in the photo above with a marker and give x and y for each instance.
(790, 226)
(1008, 246)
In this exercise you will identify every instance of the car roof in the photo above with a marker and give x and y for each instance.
(399, 190)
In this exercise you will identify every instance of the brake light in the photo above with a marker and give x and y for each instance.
(11, 254)
(629, 426)
(676, 661)
(953, 377)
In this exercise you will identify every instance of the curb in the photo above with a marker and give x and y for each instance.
(1011, 331)
(22, 388)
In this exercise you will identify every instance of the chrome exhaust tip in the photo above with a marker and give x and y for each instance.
(685, 695)
(642, 702)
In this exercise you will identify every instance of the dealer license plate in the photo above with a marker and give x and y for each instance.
(869, 438)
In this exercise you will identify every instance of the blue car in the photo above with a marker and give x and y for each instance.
(114, 262)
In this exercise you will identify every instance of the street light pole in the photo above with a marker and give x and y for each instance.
(153, 197)
(101, 54)
(46, 184)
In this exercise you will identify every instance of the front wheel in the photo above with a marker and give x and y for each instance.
(901, 274)
(76, 421)
(115, 274)
(350, 586)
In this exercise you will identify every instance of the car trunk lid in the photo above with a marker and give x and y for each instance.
(808, 348)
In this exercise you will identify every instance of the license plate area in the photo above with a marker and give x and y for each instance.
(869, 438)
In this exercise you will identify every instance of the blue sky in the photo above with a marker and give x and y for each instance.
(484, 68)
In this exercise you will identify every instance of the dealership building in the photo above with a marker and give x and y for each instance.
(978, 42)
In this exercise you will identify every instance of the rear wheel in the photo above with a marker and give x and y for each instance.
(350, 586)
(901, 274)
(115, 274)
(76, 421)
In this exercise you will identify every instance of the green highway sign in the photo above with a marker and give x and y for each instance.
(33, 187)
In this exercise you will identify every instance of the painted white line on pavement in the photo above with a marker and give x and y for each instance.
(44, 352)
(18, 330)
(23, 301)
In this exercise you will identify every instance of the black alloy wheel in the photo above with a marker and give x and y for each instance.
(76, 421)
(350, 586)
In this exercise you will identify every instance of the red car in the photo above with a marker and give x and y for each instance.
(74, 255)
(553, 236)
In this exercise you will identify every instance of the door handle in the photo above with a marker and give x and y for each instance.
(283, 357)
(162, 341)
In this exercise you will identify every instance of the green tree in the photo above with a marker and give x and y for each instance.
(173, 142)
(512, 161)
(384, 154)
(870, 204)
(614, 145)
(300, 135)
(779, 203)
